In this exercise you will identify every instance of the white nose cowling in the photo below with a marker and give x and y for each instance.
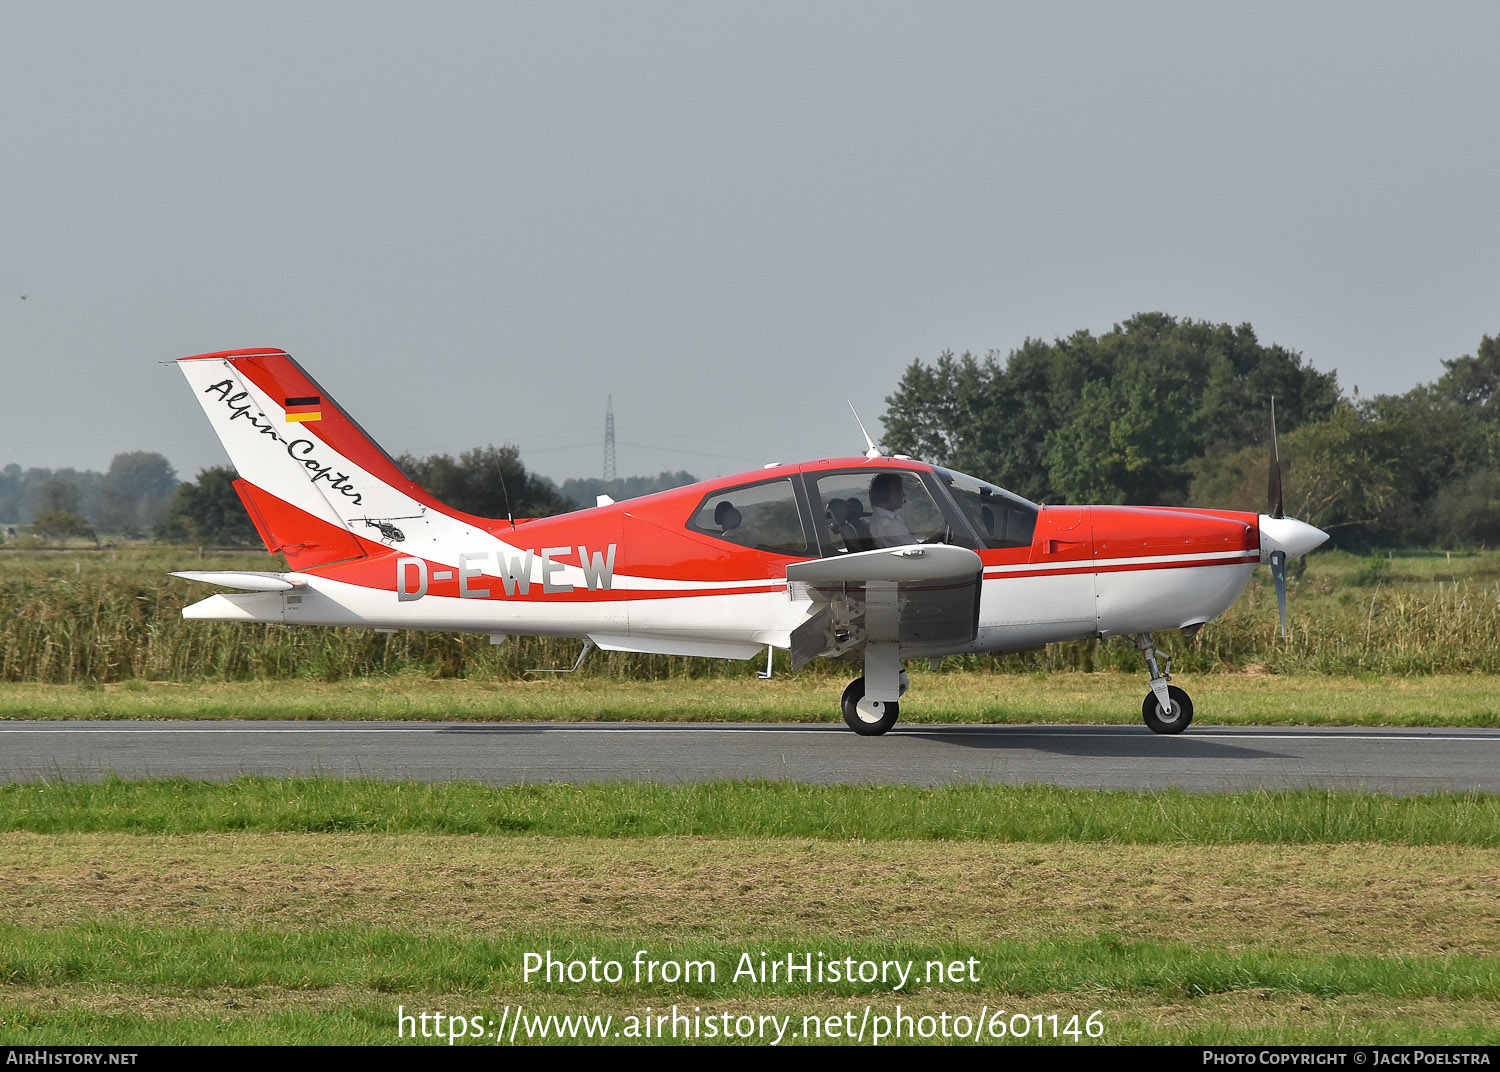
(1287, 534)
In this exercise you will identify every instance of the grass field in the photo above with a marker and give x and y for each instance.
(977, 696)
(239, 916)
(307, 911)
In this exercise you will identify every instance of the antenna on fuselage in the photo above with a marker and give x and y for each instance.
(500, 472)
(873, 451)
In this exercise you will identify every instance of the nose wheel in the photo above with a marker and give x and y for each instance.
(1168, 720)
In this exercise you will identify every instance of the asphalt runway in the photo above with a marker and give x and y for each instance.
(1204, 759)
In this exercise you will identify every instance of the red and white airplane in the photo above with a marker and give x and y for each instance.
(870, 558)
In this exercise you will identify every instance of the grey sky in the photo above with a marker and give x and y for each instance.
(472, 221)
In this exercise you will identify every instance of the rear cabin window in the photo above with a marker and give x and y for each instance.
(763, 517)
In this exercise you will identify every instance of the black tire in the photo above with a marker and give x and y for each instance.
(1161, 721)
(869, 723)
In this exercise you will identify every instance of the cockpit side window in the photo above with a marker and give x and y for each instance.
(1000, 518)
(763, 517)
(870, 508)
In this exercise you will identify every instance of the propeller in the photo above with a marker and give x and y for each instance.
(1273, 489)
(1278, 574)
(1277, 511)
(1282, 537)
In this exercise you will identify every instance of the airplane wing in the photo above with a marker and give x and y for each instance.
(924, 597)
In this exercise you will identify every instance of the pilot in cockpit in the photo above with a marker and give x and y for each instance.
(886, 498)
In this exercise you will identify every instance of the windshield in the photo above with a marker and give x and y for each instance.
(1000, 518)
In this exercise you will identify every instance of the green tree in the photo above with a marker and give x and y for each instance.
(62, 525)
(1474, 381)
(59, 497)
(1234, 480)
(929, 413)
(12, 485)
(1410, 470)
(136, 492)
(208, 512)
(1451, 435)
(1466, 510)
(487, 481)
(1128, 440)
(584, 491)
(1342, 474)
(1112, 418)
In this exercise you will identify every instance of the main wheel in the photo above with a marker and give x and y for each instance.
(1173, 721)
(868, 718)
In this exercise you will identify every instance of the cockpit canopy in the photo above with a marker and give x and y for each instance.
(836, 511)
(1000, 518)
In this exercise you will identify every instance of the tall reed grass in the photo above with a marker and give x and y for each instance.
(79, 617)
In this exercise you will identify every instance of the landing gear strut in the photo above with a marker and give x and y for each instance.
(1167, 709)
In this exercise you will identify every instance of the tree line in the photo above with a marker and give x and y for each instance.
(486, 481)
(130, 499)
(1157, 411)
(1169, 412)
(140, 496)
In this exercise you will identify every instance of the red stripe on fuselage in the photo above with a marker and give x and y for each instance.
(1122, 568)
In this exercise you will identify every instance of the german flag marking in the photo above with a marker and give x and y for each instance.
(308, 408)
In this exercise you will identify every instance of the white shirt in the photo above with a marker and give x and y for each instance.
(887, 528)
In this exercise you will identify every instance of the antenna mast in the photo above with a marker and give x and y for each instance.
(609, 441)
(510, 515)
(871, 451)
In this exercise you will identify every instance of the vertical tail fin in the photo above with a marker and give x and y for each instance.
(316, 486)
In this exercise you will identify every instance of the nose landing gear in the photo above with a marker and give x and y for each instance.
(1167, 709)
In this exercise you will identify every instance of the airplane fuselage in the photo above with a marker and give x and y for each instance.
(636, 577)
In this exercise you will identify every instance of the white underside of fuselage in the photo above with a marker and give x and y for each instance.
(1018, 612)
(1155, 600)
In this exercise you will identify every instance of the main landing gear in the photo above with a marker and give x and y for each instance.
(868, 717)
(1167, 708)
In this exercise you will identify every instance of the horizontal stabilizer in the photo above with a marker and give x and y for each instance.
(246, 580)
(238, 607)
